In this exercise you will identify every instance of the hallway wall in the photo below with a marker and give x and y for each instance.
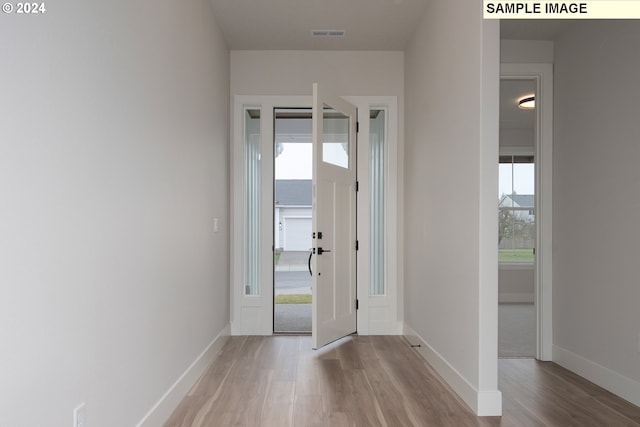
(113, 165)
(363, 73)
(596, 157)
(452, 83)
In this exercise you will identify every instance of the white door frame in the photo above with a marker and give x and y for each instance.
(253, 314)
(542, 74)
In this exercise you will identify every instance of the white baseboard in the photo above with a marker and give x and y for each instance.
(604, 377)
(489, 403)
(163, 409)
(483, 403)
(516, 297)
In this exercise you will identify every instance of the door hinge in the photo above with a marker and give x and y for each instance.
(357, 127)
(357, 186)
(534, 251)
(357, 245)
(357, 305)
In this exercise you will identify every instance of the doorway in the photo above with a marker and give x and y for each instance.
(292, 213)
(517, 219)
(253, 222)
(525, 201)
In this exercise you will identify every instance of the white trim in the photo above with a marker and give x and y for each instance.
(517, 151)
(162, 410)
(487, 296)
(482, 403)
(379, 314)
(253, 315)
(606, 378)
(543, 75)
(489, 404)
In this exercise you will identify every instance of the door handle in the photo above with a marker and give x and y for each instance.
(321, 251)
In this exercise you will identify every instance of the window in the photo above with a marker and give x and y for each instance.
(378, 178)
(516, 209)
(252, 202)
(335, 133)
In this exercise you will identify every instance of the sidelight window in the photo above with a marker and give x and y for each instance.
(252, 189)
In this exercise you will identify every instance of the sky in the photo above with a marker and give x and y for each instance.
(523, 178)
(294, 162)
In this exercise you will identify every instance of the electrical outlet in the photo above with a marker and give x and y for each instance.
(78, 416)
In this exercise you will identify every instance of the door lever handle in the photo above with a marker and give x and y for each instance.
(321, 251)
(310, 255)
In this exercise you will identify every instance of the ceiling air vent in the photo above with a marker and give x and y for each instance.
(327, 33)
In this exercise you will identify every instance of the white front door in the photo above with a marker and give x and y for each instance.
(334, 218)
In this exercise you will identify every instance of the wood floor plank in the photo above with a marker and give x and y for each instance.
(307, 411)
(277, 409)
(378, 381)
(622, 407)
(554, 400)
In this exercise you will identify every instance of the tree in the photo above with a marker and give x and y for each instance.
(511, 226)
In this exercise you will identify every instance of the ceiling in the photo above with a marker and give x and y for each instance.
(368, 25)
(512, 117)
(287, 24)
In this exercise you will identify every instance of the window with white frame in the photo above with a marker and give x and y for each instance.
(252, 190)
(516, 209)
(377, 156)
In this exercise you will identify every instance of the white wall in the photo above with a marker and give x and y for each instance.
(293, 72)
(526, 51)
(517, 138)
(452, 85)
(113, 164)
(516, 283)
(596, 158)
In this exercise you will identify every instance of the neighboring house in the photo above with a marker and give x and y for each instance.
(520, 201)
(292, 214)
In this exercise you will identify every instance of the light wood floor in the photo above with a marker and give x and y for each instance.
(378, 381)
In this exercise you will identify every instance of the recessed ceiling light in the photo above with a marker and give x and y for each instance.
(327, 33)
(527, 102)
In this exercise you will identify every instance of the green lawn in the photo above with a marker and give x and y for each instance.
(515, 255)
(293, 299)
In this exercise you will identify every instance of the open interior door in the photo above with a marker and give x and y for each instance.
(334, 218)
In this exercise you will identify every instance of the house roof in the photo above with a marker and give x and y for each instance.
(293, 192)
(521, 200)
